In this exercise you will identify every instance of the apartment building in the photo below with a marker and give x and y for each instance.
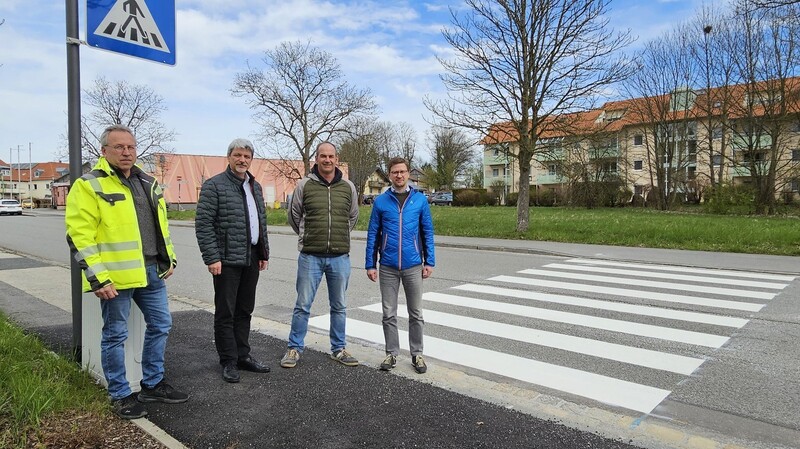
(675, 145)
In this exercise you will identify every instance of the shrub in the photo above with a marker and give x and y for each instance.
(729, 199)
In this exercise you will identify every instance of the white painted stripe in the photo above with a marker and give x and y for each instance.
(611, 351)
(694, 270)
(657, 296)
(652, 284)
(625, 327)
(678, 277)
(696, 317)
(604, 389)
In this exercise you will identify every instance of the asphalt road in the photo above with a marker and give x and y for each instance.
(609, 350)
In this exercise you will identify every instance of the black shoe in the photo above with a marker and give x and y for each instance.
(129, 408)
(389, 362)
(419, 364)
(230, 373)
(250, 364)
(162, 392)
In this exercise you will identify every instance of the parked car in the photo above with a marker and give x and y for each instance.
(442, 199)
(28, 203)
(10, 207)
(369, 199)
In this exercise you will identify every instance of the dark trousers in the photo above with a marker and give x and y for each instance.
(234, 301)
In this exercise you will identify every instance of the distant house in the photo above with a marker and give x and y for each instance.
(377, 182)
(30, 180)
(60, 187)
(182, 175)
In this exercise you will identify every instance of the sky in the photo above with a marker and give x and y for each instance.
(387, 46)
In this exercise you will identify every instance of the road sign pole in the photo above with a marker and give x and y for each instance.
(75, 163)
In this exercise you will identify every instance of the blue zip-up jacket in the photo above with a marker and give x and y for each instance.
(401, 233)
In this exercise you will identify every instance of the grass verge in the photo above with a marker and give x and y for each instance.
(645, 228)
(38, 387)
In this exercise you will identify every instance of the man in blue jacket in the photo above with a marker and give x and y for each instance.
(401, 231)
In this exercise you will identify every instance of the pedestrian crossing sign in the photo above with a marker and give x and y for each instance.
(140, 28)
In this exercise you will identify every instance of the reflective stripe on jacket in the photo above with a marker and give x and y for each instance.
(103, 231)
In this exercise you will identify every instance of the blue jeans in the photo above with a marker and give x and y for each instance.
(309, 274)
(152, 301)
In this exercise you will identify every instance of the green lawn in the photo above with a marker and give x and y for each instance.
(622, 227)
(37, 385)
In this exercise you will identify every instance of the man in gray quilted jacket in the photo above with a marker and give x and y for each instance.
(231, 230)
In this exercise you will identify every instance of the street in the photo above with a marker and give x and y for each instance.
(610, 343)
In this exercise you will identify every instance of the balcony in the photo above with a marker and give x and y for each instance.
(742, 142)
(610, 152)
(549, 156)
(490, 159)
(550, 179)
(489, 180)
(739, 171)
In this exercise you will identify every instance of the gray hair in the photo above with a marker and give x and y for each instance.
(241, 143)
(112, 128)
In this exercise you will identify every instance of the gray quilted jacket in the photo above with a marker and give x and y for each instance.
(222, 224)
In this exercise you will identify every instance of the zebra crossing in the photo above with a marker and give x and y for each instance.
(623, 334)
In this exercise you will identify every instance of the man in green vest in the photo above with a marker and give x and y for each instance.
(323, 211)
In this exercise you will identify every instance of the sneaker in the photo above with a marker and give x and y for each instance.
(388, 363)
(290, 359)
(344, 357)
(162, 392)
(419, 364)
(129, 408)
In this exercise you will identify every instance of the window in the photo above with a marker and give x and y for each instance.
(637, 165)
(794, 185)
(610, 167)
(638, 139)
(691, 172)
(716, 133)
(552, 169)
(496, 152)
(716, 160)
(692, 150)
(796, 155)
(495, 172)
(638, 190)
(35, 186)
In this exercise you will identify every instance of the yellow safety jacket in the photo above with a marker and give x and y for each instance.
(103, 231)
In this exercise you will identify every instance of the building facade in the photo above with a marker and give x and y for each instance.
(673, 146)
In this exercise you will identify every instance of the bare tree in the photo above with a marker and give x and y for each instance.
(136, 106)
(766, 59)
(300, 98)
(666, 100)
(359, 150)
(774, 3)
(452, 152)
(520, 62)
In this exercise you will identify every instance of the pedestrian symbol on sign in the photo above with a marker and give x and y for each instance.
(130, 21)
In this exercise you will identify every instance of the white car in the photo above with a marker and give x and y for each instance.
(10, 207)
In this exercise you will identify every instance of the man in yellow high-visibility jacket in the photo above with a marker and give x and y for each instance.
(117, 231)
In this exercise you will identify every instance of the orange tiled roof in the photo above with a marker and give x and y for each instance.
(640, 111)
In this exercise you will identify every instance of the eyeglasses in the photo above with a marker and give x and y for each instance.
(121, 148)
(398, 172)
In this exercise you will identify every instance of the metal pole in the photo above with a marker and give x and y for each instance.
(30, 174)
(75, 163)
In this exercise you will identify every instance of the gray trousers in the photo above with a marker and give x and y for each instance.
(389, 280)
